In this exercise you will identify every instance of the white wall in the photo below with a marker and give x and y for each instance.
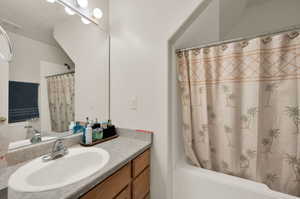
(88, 48)
(47, 68)
(25, 65)
(4, 78)
(3, 103)
(140, 32)
(4, 73)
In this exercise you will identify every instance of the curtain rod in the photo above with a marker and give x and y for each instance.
(287, 29)
(61, 74)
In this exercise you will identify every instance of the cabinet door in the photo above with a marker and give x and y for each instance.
(147, 196)
(141, 185)
(140, 163)
(125, 194)
(113, 185)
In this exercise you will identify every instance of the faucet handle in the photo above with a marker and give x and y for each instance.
(27, 126)
(36, 138)
(58, 150)
(59, 145)
(59, 141)
(37, 132)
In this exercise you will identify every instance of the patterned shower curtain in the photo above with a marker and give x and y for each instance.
(240, 106)
(61, 101)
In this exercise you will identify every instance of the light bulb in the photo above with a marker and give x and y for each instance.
(83, 3)
(85, 21)
(51, 1)
(97, 13)
(69, 11)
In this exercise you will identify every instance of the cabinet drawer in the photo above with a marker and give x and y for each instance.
(140, 163)
(125, 194)
(113, 185)
(147, 196)
(141, 185)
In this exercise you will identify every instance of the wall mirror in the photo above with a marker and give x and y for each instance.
(58, 72)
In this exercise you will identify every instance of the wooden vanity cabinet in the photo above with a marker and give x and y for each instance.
(130, 182)
(125, 194)
(141, 185)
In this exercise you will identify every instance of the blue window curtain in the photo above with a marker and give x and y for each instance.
(23, 101)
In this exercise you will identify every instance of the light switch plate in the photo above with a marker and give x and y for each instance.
(133, 103)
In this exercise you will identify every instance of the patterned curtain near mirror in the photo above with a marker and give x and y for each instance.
(240, 105)
(61, 94)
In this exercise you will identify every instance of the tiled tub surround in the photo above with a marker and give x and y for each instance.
(123, 149)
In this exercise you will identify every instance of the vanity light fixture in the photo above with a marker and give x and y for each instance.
(80, 7)
(69, 11)
(85, 21)
(82, 3)
(97, 13)
(51, 1)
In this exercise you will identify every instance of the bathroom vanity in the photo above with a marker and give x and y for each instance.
(126, 175)
(131, 181)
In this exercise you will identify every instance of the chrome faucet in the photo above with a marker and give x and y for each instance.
(58, 150)
(34, 135)
(37, 137)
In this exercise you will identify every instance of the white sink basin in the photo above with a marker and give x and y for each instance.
(78, 164)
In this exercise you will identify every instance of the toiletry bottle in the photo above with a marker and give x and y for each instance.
(76, 128)
(95, 128)
(104, 125)
(100, 133)
(96, 124)
(87, 121)
(71, 127)
(109, 123)
(83, 135)
(89, 134)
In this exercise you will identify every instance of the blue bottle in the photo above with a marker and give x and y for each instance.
(83, 135)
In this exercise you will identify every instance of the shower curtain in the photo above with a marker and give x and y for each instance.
(61, 101)
(240, 106)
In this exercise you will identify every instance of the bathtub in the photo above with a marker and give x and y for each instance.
(191, 182)
(195, 183)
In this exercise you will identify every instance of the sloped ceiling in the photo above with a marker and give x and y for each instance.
(31, 18)
(230, 13)
(214, 23)
(229, 19)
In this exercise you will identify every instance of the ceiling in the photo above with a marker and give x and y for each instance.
(31, 18)
(220, 18)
